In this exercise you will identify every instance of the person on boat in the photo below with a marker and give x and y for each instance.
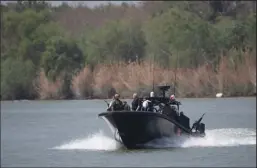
(146, 105)
(173, 100)
(126, 107)
(172, 97)
(136, 103)
(116, 104)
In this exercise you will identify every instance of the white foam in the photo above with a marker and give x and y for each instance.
(96, 141)
(214, 138)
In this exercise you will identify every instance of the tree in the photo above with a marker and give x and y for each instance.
(61, 55)
(116, 41)
(17, 79)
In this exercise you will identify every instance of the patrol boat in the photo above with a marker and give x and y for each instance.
(135, 128)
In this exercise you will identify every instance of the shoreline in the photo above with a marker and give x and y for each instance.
(202, 82)
(127, 98)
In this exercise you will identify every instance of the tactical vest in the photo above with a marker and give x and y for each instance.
(117, 105)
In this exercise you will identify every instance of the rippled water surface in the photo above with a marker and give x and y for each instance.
(69, 133)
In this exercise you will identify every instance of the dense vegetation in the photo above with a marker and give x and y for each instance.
(63, 52)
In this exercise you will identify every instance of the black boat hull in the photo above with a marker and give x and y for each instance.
(138, 128)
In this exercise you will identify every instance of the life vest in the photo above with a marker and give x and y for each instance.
(117, 105)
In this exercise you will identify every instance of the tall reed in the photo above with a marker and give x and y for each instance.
(231, 78)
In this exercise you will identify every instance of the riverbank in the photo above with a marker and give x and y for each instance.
(233, 80)
(125, 98)
(99, 54)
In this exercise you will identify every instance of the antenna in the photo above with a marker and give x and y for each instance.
(170, 55)
(153, 70)
(175, 74)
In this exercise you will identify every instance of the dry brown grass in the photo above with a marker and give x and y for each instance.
(82, 84)
(47, 89)
(232, 79)
(237, 79)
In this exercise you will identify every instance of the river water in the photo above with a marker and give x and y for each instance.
(69, 133)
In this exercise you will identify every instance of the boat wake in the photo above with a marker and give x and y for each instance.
(95, 141)
(214, 138)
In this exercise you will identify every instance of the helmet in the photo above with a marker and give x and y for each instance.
(172, 97)
(134, 95)
(116, 96)
(152, 94)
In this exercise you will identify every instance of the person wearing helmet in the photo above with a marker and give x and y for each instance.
(116, 104)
